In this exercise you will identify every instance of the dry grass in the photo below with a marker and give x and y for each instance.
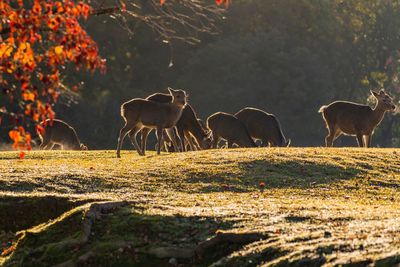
(319, 206)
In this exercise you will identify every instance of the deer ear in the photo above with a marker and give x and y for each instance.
(374, 93)
(171, 91)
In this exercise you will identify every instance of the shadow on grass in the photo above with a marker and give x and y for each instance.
(288, 174)
(121, 238)
(18, 213)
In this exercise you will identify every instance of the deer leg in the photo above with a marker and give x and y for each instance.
(181, 134)
(164, 145)
(263, 143)
(272, 143)
(215, 140)
(330, 137)
(122, 134)
(159, 134)
(132, 136)
(337, 134)
(368, 140)
(230, 144)
(187, 145)
(171, 134)
(196, 146)
(45, 143)
(224, 145)
(48, 146)
(195, 143)
(51, 145)
(190, 141)
(144, 134)
(360, 140)
(167, 145)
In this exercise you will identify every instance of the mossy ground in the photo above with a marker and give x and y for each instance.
(319, 206)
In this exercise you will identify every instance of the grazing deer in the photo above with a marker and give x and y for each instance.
(186, 126)
(354, 119)
(58, 132)
(193, 142)
(263, 126)
(228, 127)
(139, 113)
(189, 126)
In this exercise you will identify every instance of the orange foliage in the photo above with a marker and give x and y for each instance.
(21, 138)
(38, 38)
(8, 250)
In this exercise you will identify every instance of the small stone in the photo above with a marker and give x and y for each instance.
(327, 234)
(173, 261)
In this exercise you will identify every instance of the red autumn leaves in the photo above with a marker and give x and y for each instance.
(37, 39)
(21, 139)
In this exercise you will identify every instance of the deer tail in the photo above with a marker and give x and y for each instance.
(123, 111)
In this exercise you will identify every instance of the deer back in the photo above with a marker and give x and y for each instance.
(62, 133)
(262, 125)
(230, 128)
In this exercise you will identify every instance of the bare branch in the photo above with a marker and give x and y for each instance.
(176, 19)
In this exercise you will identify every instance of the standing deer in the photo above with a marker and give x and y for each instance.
(58, 132)
(228, 127)
(186, 126)
(139, 113)
(263, 126)
(349, 118)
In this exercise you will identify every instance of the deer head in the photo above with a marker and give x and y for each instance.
(385, 101)
(178, 97)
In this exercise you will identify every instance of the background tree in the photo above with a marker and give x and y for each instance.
(287, 57)
(40, 40)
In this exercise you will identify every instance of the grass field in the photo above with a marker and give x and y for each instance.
(318, 206)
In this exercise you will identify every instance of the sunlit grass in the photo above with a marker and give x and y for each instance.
(345, 201)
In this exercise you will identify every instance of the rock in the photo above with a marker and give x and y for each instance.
(173, 261)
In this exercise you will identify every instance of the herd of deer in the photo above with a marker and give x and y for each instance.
(176, 123)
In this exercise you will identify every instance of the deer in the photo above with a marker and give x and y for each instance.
(58, 132)
(342, 117)
(192, 144)
(230, 128)
(263, 126)
(141, 113)
(186, 126)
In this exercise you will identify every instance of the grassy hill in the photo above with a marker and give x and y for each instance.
(318, 206)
